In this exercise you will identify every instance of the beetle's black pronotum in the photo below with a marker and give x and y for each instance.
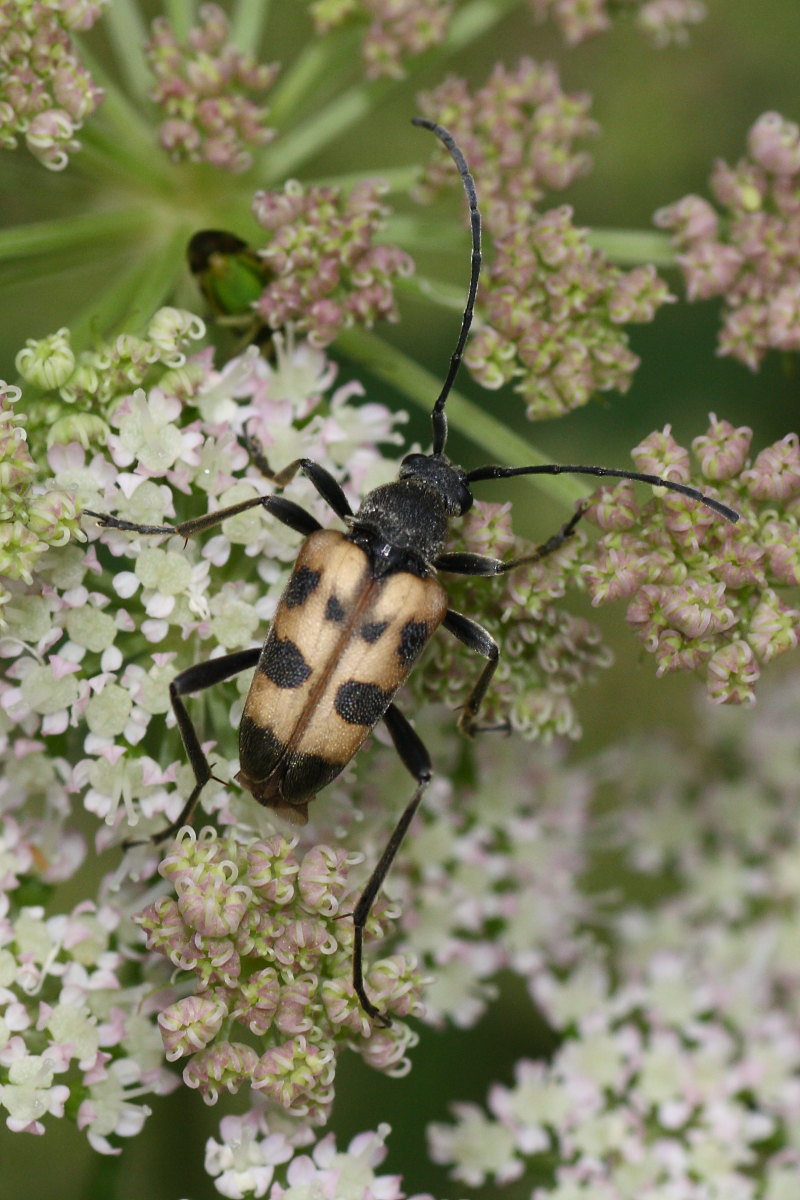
(357, 610)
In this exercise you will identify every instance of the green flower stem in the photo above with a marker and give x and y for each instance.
(474, 20)
(400, 180)
(281, 160)
(634, 247)
(496, 440)
(321, 60)
(69, 233)
(132, 132)
(128, 34)
(182, 15)
(135, 294)
(342, 113)
(446, 295)
(248, 23)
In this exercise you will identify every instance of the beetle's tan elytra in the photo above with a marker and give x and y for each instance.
(341, 644)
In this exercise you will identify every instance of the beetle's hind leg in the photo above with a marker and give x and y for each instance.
(197, 679)
(417, 761)
(476, 638)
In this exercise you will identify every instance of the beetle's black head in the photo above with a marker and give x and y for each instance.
(443, 477)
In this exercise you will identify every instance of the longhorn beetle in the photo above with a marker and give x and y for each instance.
(357, 610)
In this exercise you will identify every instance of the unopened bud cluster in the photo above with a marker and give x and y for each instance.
(45, 91)
(749, 254)
(517, 133)
(552, 308)
(81, 392)
(553, 314)
(662, 21)
(705, 595)
(33, 517)
(205, 89)
(395, 29)
(327, 272)
(267, 938)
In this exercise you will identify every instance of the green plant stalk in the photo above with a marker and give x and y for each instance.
(421, 387)
(248, 23)
(135, 295)
(128, 34)
(299, 144)
(69, 233)
(634, 247)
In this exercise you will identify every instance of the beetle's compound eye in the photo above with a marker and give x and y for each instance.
(466, 500)
(414, 464)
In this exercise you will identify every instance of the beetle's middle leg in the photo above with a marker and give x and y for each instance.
(474, 635)
(464, 563)
(417, 760)
(197, 679)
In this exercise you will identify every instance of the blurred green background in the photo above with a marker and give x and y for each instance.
(664, 117)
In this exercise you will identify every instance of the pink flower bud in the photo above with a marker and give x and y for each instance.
(660, 454)
(190, 1024)
(775, 144)
(223, 1066)
(731, 674)
(722, 452)
(775, 474)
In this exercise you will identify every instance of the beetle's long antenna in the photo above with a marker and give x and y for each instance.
(438, 414)
(494, 472)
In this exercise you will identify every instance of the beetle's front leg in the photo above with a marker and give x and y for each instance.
(325, 484)
(285, 511)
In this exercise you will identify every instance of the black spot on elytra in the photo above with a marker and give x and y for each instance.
(413, 637)
(361, 703)
(305, 774)
(373, 630)
(283, 663)
(300, 586)
(260, 750)
(334, 611)
(276, 775)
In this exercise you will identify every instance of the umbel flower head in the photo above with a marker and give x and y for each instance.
(204, 88)
(662, 21)
(517, 133)
(394, 30)
(749, 253)
(675, 1069)
(553, 317)
(46, 93)
(705, 595)
(552, 307)
(268, 941)
(324, 270)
